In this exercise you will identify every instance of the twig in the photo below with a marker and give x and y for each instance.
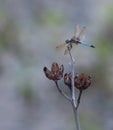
(74, 105)
(72, 80)
(66, 96)
(79, 97)
(76, 117)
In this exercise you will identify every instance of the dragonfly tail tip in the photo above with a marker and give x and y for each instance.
(92, 46)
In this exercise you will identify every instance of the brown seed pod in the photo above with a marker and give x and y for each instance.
(67, 80)
(83, 81)
(47, 73)
(56, 72)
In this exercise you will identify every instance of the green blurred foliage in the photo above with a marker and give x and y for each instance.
(104, 51)
(52, 18)
(109, 14)
(104, 48)
(87, 123)
(27, 91)
(9, 37)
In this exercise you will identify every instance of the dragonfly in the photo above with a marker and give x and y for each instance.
(77, 39)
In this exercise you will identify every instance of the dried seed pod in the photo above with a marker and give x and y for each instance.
(60, 72)
(47, 73)
(83, 81)
(67, 80)
(56, 73)
(54, 68)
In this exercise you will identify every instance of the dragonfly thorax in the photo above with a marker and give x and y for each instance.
(74, 40)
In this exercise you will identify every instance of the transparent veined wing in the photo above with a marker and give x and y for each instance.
(66, 51)
(60, 47)
(81, 35)
(76, 31)
(68, 48)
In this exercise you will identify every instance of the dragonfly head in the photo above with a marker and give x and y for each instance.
(67, 41)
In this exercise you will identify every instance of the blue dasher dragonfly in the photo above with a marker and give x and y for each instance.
(77, 39)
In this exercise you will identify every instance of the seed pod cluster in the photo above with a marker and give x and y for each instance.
(81, 82)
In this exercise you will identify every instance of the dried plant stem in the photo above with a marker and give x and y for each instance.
(74, 105)
(72, 98)
(76, 117)
(78, 100)
(64, 94)
(72, 80)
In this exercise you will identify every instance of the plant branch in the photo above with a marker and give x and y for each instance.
(64, 94)
(79, 97)
(73, 102)
(72, 80)
(76, 117)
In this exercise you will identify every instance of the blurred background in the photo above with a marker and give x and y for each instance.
(29, 33)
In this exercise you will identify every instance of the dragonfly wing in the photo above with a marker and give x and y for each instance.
(69, 47)
(66, 51)
(76, 31)
(81, 35)
(60, 47)
(86, 44)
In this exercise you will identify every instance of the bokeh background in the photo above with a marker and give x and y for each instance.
(29, 33)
